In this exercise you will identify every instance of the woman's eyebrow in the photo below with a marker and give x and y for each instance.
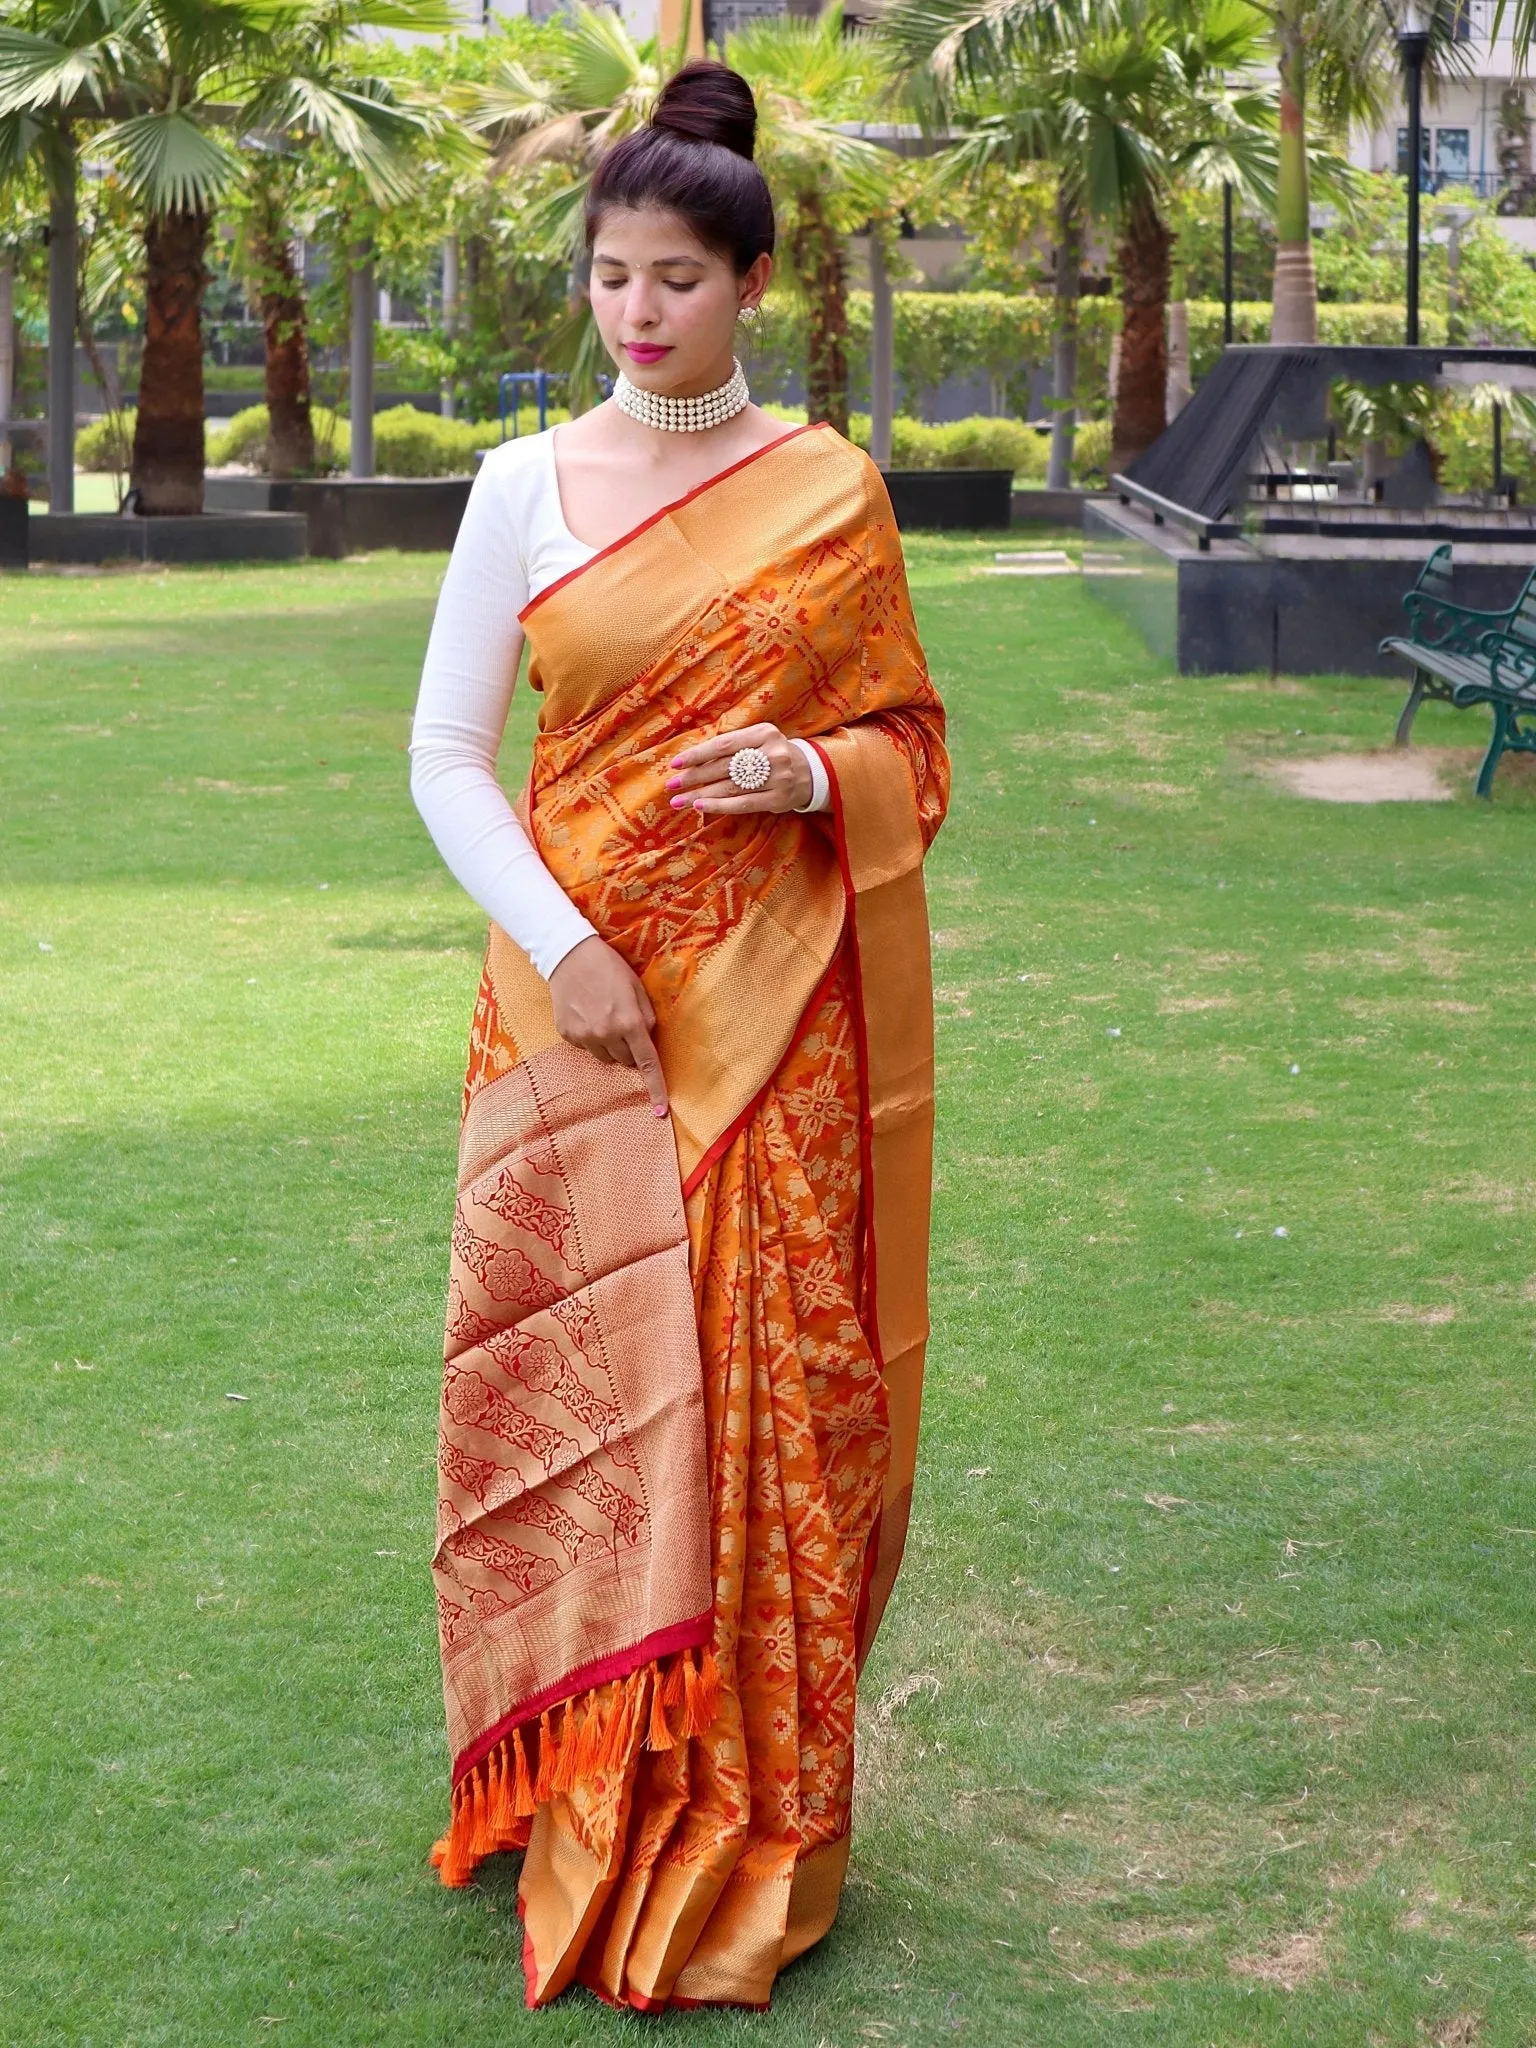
(661, 262)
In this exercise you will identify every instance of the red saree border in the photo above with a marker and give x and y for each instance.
(866, 1164)
(645, 525)
(866, 1126)
(682, 1635)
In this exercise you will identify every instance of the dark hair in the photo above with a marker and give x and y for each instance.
(694, 159)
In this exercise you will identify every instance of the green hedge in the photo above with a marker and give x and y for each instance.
(1338, 326)
(1005, 335)
(244, 439)
(405, 442)
(981, 442)
(94, 446)
(976, 443)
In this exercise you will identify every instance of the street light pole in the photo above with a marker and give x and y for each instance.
(1413, 44)
(1226, 263)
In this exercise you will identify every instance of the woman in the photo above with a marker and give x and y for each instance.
(687, 1307)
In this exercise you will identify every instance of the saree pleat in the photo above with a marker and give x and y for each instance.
(691, 1900)
(701, 1366)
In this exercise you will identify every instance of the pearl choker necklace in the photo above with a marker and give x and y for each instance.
(683, 415)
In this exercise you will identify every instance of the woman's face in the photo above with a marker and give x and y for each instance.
(665, 305)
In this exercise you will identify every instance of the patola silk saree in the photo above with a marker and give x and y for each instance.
(684, 1357)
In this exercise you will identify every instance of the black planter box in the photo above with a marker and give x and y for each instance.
(14, 522)
(354, 515)
(1038, 505)
(96, 537)
(1232, 610)
(948, 498)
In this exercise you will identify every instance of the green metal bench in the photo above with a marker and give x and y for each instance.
(1465, 657)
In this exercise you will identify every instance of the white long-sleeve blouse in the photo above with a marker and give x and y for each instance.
(513, 543)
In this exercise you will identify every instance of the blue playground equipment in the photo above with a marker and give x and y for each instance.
(513, 381)
(541, 380)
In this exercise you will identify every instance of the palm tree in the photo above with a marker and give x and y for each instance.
(600, 88)
(1337, 58)
(812, 81)
(1333, 53)
(320, 102)
(1126, 98)
(179, 85)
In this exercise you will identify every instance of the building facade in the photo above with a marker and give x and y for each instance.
(1477, 127)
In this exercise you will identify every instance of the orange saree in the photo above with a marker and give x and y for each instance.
(684, 1358)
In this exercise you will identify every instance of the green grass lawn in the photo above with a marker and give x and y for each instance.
(1203, 1712)
(94, 492)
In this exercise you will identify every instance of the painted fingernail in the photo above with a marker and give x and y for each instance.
(661, 1109)
(674, 782)
(678, 802)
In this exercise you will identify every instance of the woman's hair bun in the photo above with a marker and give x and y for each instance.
(708, 102)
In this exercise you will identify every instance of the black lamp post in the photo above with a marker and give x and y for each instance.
(1413, 43)
(1226, 263)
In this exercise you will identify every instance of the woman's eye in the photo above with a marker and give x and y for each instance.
(681, 287)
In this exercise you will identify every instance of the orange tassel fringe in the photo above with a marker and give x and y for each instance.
(589, 1737)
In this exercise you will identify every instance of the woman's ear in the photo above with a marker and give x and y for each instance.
(755, 283)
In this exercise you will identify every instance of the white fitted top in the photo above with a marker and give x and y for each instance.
(513, 543)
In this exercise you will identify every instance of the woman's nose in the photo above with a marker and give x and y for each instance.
(640, 307)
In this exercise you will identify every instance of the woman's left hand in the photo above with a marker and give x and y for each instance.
(700, 778)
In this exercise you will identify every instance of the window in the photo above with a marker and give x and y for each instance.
(1453, 155)
(1445, 157)
(1402, 154)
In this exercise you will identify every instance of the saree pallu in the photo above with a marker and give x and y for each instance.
(684, 1357)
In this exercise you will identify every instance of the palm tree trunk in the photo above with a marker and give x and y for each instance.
(7, 359)
(1069, 285)
(168, 435)
(1180, 387)
(1141, 394)
(1295, 300)
(63, 266)
(285, 336)
(816, 250)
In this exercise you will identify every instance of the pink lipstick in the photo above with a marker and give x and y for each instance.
(645, 351)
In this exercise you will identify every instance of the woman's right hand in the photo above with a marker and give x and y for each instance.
(601, 1005)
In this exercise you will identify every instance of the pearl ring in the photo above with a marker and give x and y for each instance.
(750, 769)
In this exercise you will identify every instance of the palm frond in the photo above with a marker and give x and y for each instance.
(38, 74)
(511, 101)
(576, 347)
(555, 224)
(602, 64)
(170, 162)
(19, 137)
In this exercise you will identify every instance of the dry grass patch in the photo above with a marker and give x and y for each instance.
(1391, 776)
(1461, 2030)
(1504, 1197)
(1275, 686)
(1125, 791)
(1290, 1962)
(1147, 1933)
(1410, 1312)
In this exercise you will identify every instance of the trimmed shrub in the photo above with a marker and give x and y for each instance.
(405, 442)
(1090, 452)
(1338, 325)
(96, 448)
(1006, 335)
(244, 439)
(975, 443)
